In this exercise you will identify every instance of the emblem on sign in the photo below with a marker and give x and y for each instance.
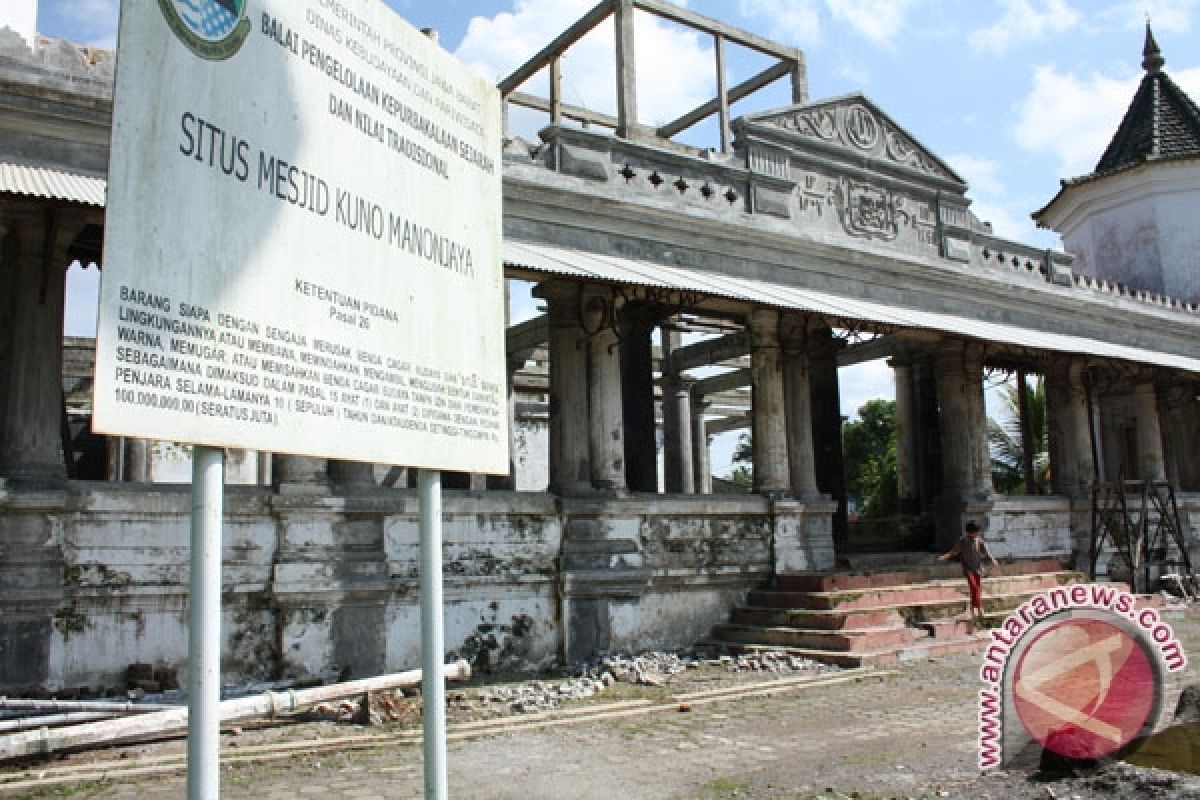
(212, 29)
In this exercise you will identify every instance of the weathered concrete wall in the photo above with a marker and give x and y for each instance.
(1027, 526)
(95, 578)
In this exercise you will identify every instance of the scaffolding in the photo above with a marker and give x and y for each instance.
(1140, 520)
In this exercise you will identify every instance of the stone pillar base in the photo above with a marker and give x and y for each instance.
(32, 570)
(803, 534)
(602, 569)
(329, 583)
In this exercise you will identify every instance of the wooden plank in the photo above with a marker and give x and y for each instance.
(722, 92)
(627, 115)
(748, 86)
(528, 335)
(570, 36)
(726, 424)
(567, 110)
(725, 382)
(708, 352)
(709, 25)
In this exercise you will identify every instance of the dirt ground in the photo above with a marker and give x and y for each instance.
(705, 733)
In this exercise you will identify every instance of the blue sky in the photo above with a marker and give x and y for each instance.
(1014, 94)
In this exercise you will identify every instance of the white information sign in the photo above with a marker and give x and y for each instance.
(302, 245)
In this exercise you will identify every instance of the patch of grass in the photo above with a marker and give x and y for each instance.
(867, 759)
(722, 788)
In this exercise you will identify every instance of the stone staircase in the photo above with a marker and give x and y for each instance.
(872, 618)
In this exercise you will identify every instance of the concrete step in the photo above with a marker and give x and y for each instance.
(925, 648)
(859, 623)
(764, 616)
(881, 579)
(858, 641)
(863, 600)
(943, 590)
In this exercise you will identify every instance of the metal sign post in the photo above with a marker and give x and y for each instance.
(279, 257)
(433, 683)
(204, 624)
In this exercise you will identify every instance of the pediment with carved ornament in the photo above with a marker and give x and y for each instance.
(854, 124)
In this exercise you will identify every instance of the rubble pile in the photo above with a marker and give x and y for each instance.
(645, 669)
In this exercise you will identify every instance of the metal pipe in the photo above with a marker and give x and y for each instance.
(204, 629)
(433, 692)
(121, 707)
(53, 720)
(160, 723)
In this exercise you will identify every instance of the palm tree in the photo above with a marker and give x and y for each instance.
(1007, 445)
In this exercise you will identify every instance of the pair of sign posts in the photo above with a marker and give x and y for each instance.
(302, 256)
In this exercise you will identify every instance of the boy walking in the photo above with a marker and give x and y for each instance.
(970, 549)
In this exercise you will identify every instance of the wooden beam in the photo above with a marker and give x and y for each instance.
(567, 110)
(722, 92)
(707, 353)
(880, 347)
(748, 86)
(724, 382)
(527, 335)
(555, 90)
(627, 116)
(726, 424)
(709, 25)
(570, 36)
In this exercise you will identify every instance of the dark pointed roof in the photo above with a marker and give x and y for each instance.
(1161, 124)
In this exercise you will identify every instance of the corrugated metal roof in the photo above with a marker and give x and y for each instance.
(52, 184)
(616, 269)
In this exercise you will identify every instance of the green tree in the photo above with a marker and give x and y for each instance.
(869, 454)
(743, 462)
(1007, 447)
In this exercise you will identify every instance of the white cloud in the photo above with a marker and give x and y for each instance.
(797, 21)
(1174, 16)
(1025, 20)
(877, 20)
(676, 67)
(991, 199)
(979, 173)
(1071, 117)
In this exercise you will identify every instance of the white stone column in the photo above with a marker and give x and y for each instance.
(1068, 427)
(1151, 464)
(570, 462)
(682, 391)
(606, 434)
(32, 286)
(798, 398)
(966, 460)
(770, 421)
(137, 454)
(1181, 421)
(907, 485)
(701, 464)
